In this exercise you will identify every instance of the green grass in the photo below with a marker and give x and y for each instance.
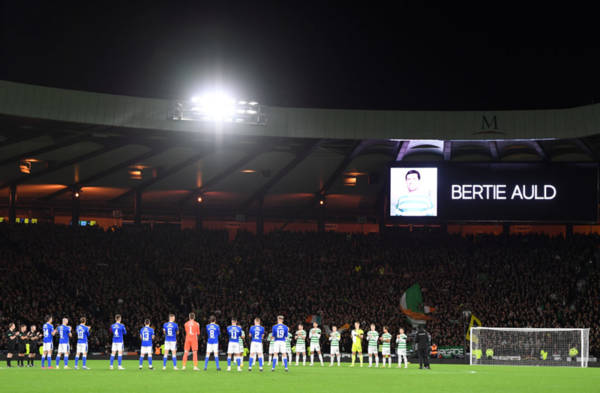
(441, 378)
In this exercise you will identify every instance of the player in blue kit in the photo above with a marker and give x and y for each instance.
(83, 333)
(213, 331)
(280, 333)
(234, 332)
(48, 335)
(170, 330)
(117, 330)
(64, 334)
(257, 334)
(146, 335)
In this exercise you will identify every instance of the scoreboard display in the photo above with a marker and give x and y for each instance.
(493, 192)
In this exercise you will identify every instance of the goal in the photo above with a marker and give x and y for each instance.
(529, 346)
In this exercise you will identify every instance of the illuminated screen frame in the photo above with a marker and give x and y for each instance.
(442, 209)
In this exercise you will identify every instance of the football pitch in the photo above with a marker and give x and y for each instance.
(441, 378)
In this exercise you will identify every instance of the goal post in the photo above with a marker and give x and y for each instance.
(529, 346)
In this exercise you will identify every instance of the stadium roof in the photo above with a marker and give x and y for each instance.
(111, 147)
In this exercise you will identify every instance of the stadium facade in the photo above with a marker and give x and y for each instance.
(69, 156)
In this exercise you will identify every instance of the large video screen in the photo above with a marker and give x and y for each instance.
(495, 192)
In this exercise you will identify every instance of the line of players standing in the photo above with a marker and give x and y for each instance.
(279, 343)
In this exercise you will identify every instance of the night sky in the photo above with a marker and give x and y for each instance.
(486, 55)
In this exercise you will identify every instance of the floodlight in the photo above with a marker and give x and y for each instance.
(215, 106)
(219, 106)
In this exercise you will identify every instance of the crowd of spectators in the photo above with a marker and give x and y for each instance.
(513, 281)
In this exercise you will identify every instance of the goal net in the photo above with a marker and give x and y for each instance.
(529, 346)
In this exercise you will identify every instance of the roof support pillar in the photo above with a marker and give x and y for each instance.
(12, 204)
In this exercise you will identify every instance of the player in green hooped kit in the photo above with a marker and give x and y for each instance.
(386, 339)
(334, 351)
(301, 345)
(315, 336)
(401, 348)
(373, 338)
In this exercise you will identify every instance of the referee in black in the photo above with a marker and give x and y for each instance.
(22, 341)
(34, 344)
(423, 342)
(11, 336)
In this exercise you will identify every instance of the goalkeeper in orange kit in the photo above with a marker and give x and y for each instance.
(192, 331)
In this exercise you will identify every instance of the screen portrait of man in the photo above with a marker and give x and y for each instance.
(414, 193)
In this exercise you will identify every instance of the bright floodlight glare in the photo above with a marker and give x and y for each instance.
(219, 106)
(215, 106)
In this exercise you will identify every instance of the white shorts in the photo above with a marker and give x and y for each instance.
(146, 351)
(280, 347)
(335, 350)
(48, 347)
(315, 347)
(385, 351)
(271, 348)
(117, 347)
(256, 347)
(373, 350)
(212, 348)
(300, 348)
(402, 352)
(81, 348)
(233, 347)
(63, 348)
(170, 346)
